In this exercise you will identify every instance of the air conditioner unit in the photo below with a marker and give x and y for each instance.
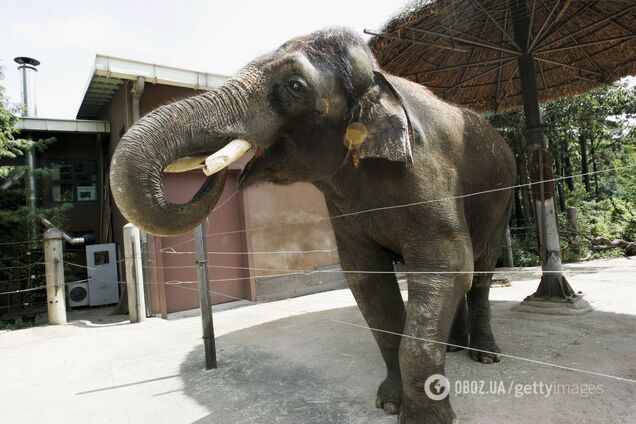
(77, 294)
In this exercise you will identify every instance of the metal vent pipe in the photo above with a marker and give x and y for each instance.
(28, 72)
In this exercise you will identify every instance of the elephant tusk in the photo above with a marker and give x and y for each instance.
(187, 163)
(225, 156)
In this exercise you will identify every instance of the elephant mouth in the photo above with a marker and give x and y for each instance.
(260, 153)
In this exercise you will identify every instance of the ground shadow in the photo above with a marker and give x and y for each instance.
(312, 369)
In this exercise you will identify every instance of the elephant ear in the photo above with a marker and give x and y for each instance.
(380, 126)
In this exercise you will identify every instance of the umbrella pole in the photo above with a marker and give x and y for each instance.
(554, 294)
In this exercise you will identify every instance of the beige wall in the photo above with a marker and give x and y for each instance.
(295, 217)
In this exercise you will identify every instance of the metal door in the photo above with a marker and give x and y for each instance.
(103, 285)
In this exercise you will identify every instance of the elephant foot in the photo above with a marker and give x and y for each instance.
(389, 395)
(439, 412)
(484, 343)
(459, 341)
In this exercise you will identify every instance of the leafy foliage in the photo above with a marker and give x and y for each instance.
(21, 255)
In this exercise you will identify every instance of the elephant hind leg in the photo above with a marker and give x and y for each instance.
(458, 338)
(478, 306)
(471, 325)
(479, 329)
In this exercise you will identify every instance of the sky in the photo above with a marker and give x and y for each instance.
(216, 36)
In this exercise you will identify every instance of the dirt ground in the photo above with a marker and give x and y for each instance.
(294, 361)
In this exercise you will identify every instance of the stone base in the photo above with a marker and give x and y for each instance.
(576, 305)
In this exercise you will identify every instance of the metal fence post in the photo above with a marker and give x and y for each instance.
(134, 274)
(204, 300)
(54, 268)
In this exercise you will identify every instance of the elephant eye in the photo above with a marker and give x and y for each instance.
(296, 86)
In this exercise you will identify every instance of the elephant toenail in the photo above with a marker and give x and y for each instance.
(390, 408)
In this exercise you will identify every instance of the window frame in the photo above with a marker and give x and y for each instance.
(75, 179)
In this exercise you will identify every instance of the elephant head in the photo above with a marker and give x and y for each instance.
(305, 108)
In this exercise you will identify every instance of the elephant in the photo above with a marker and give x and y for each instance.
(405, 175)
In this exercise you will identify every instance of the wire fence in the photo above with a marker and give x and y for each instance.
(185, 286)
(287, 309)
(286, 272)
(401, 206)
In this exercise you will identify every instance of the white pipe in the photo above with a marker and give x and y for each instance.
(69, 239)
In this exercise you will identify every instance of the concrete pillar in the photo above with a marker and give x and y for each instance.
(134, 274)
(54, 268)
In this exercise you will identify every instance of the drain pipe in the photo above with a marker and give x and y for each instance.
(137, 91)
(28, 71)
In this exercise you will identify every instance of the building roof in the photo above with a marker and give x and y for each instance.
(63, 125)
(110, 72)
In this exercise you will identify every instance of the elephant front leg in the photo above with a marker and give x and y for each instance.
(380, 301)
(433, 300)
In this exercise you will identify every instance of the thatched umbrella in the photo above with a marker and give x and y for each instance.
(494, 55)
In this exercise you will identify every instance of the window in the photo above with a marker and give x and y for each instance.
(73, 181)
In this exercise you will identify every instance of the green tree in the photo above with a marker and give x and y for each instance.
(21, 256)
(593, 130)
(591, 137)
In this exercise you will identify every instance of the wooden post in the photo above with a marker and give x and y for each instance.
(204, 299)
(134, 275)
(54, 268)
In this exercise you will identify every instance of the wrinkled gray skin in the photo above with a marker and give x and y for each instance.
(296, 104)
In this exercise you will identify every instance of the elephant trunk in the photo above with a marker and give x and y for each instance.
(197, 126)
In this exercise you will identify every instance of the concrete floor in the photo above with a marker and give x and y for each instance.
(291, 362)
